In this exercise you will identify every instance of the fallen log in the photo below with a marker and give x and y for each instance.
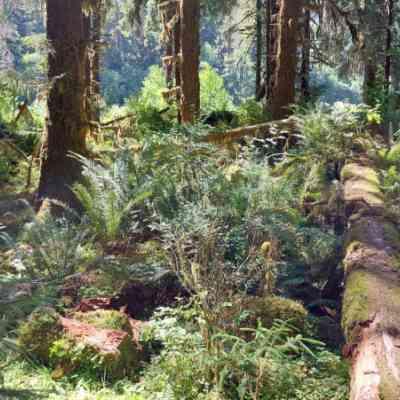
(371, 303)
(268, 129)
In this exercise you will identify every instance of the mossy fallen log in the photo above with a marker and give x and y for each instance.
(371, 303)
(279, 128)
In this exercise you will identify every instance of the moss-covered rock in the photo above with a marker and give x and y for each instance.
(36, 335)
(107, 352)
(247, 312)
(270, 309)
(102, 345)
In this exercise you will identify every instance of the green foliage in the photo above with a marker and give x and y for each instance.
(328, 136)
(51, 248)
(36, 335)
(213, 95)
(107, 197)
(278, 364)
(153, 86)
(251, 112)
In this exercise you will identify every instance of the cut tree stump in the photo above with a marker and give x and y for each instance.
(371, 304)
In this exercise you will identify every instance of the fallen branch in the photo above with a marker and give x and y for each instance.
(105, 125)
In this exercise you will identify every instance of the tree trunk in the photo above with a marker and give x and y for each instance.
(271, 23)
(177, 65)
(286, 70)
(371, 304)
(190, 43)
(98, 15)
(389, 40)
(306, 53)
(372, 35)
(258, 47)
(67, 125)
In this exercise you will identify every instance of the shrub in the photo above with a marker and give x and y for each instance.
(278, 364)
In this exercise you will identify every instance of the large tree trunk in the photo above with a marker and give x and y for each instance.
(190, 44)
(271, 28)
(67, 125)
(371, 304)
(259, 43)
(306, 54)
(98, 20)
(286, 70)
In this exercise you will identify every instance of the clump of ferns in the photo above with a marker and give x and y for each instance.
(328, 135)
(108, 196)
(49, 247)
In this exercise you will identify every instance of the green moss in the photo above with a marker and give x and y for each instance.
(368, 174)
(367, 293)
(43, 337)
(67, 356)
(269, 309)
(362, 233)
(394, 154)
(36, 335)
(391, 235)
(105, 319)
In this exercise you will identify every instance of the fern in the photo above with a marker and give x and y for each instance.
(108, 197)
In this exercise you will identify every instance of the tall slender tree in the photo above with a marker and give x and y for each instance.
(67, 121)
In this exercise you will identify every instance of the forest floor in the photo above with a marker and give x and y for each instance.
(27, 381)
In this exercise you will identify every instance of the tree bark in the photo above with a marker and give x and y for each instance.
(177, 55)
(286, 70)
(306, 53)
(271, 22)
(389, 40)
(190, 44)
(259, 45)
(371, 40)
(371, 304)
(67, 124)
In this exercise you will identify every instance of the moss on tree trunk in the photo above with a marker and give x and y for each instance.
(371, 304)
